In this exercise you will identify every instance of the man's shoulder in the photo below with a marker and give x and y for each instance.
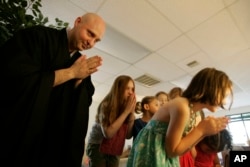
(41, 32)
(41, 28)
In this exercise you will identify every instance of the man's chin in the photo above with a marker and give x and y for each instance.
(84, 48)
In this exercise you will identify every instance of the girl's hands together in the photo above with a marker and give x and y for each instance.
(131, 103)
(211, 125)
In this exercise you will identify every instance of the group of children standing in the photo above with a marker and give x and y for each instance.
(168, 133)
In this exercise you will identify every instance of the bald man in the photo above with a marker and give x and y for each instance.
(47, 90)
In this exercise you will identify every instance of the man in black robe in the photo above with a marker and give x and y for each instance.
(46, 92)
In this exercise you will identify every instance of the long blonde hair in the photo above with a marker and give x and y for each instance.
(114, 102)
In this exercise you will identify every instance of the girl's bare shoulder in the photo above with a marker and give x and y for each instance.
(177, 106)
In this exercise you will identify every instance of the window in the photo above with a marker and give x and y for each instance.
(239, 128)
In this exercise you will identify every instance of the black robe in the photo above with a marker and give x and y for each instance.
(41, 126)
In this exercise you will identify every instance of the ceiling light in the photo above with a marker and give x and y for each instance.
(193, 64)
(147, 80)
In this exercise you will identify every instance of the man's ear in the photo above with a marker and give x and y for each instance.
(77, 21)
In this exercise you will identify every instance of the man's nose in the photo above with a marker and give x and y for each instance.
(91, 43)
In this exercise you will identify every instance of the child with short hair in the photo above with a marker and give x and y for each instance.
(175, 92)
(208, 148)
(162, 97)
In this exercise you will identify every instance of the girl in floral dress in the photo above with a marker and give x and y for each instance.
(161, 142)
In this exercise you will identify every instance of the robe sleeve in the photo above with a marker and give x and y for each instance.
(25, 88)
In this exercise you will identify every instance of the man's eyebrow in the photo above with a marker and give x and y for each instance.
(94, 35)
(91, 32)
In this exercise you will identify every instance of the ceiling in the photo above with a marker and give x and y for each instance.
(160, 37)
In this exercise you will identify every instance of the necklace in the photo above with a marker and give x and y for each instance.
(192, 120)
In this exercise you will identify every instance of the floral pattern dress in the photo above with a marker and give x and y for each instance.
(148, 148)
